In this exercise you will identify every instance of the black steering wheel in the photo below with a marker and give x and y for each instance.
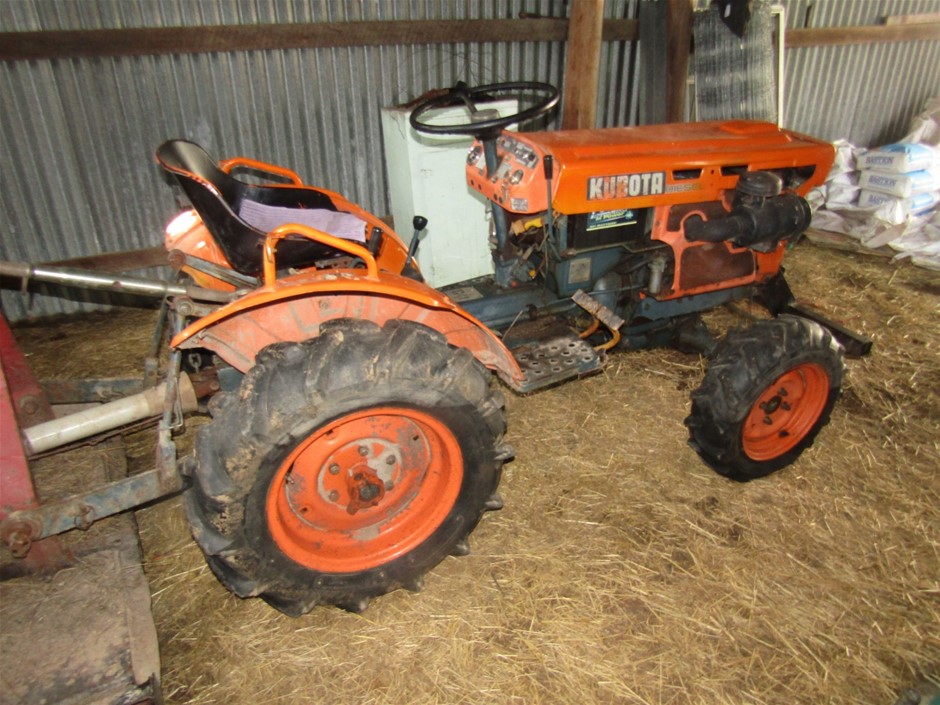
(482, 125)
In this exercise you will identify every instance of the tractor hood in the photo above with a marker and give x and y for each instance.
(639, 167)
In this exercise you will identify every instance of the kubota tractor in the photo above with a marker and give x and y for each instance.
(358, 437)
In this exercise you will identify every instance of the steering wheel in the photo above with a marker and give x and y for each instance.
(483, 125)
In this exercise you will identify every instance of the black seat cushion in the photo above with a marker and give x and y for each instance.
(217, 197)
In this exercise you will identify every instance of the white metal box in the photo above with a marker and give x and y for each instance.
(426, 176)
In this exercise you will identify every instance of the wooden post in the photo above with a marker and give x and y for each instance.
(582, 64)
(678, 43)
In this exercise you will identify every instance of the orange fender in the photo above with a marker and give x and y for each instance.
(294, 307)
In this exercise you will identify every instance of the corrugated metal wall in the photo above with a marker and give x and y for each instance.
(78, 135)
(865, 93)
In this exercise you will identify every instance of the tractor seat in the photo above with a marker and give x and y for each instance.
(239, 215)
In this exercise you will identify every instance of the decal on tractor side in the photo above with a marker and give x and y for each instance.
(602, 188)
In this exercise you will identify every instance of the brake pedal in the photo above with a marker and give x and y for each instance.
(598, 310)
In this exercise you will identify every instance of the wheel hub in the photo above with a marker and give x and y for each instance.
(364, 488)
(773, 404)
(353, 477)
(785, 412)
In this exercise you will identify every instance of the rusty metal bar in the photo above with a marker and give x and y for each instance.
(26, 522)
(81, 510)
(856, 345)
(84, 279)
(166, 460)
(85, 391)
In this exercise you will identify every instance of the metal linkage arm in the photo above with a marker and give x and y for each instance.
(85, 279)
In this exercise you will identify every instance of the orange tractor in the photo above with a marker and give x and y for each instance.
(357, 438)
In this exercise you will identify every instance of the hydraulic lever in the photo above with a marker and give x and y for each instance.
(419, 222)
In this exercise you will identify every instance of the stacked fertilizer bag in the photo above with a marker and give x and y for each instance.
(903, 179)
(889, 195)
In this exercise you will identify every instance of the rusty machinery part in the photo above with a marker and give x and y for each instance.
(80, 511)
(179, 261)
(88, 279)
(768, 391)
(346, 466)
(18, 534)
(602, 314)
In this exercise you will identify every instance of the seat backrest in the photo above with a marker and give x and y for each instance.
(217, 197)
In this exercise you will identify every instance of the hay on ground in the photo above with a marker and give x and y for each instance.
(622, 570)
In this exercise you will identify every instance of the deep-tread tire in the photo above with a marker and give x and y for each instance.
(728, 426)
(300, 398)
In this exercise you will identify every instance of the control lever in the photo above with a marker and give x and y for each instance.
(419, 222)
(375, 242)
(548, 167)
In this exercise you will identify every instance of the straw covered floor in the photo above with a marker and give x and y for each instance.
(622, 569)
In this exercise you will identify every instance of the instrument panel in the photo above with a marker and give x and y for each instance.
(518, 182)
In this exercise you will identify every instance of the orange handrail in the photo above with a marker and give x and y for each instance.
(337, 243)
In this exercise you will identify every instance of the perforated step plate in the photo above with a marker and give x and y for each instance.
(555, 360)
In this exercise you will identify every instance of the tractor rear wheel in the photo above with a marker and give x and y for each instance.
(767, 392)
(346, 466)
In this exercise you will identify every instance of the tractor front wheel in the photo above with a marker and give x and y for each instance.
(347, 466)
(767, 392)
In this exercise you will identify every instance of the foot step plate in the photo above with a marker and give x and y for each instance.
(555, 360)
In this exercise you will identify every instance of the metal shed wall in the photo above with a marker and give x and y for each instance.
(865, 93)
(78, 135)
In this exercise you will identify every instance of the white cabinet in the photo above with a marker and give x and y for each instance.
(426, 176)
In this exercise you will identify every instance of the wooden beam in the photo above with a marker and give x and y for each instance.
(925, 18)
(20, 46)
(653, 55)
(678, 46)
(871, 34)
(582, 64)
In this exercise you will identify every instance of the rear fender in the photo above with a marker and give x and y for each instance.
(294, 308)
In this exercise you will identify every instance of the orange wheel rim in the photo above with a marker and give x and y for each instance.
(785, 412)
(365, 489)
